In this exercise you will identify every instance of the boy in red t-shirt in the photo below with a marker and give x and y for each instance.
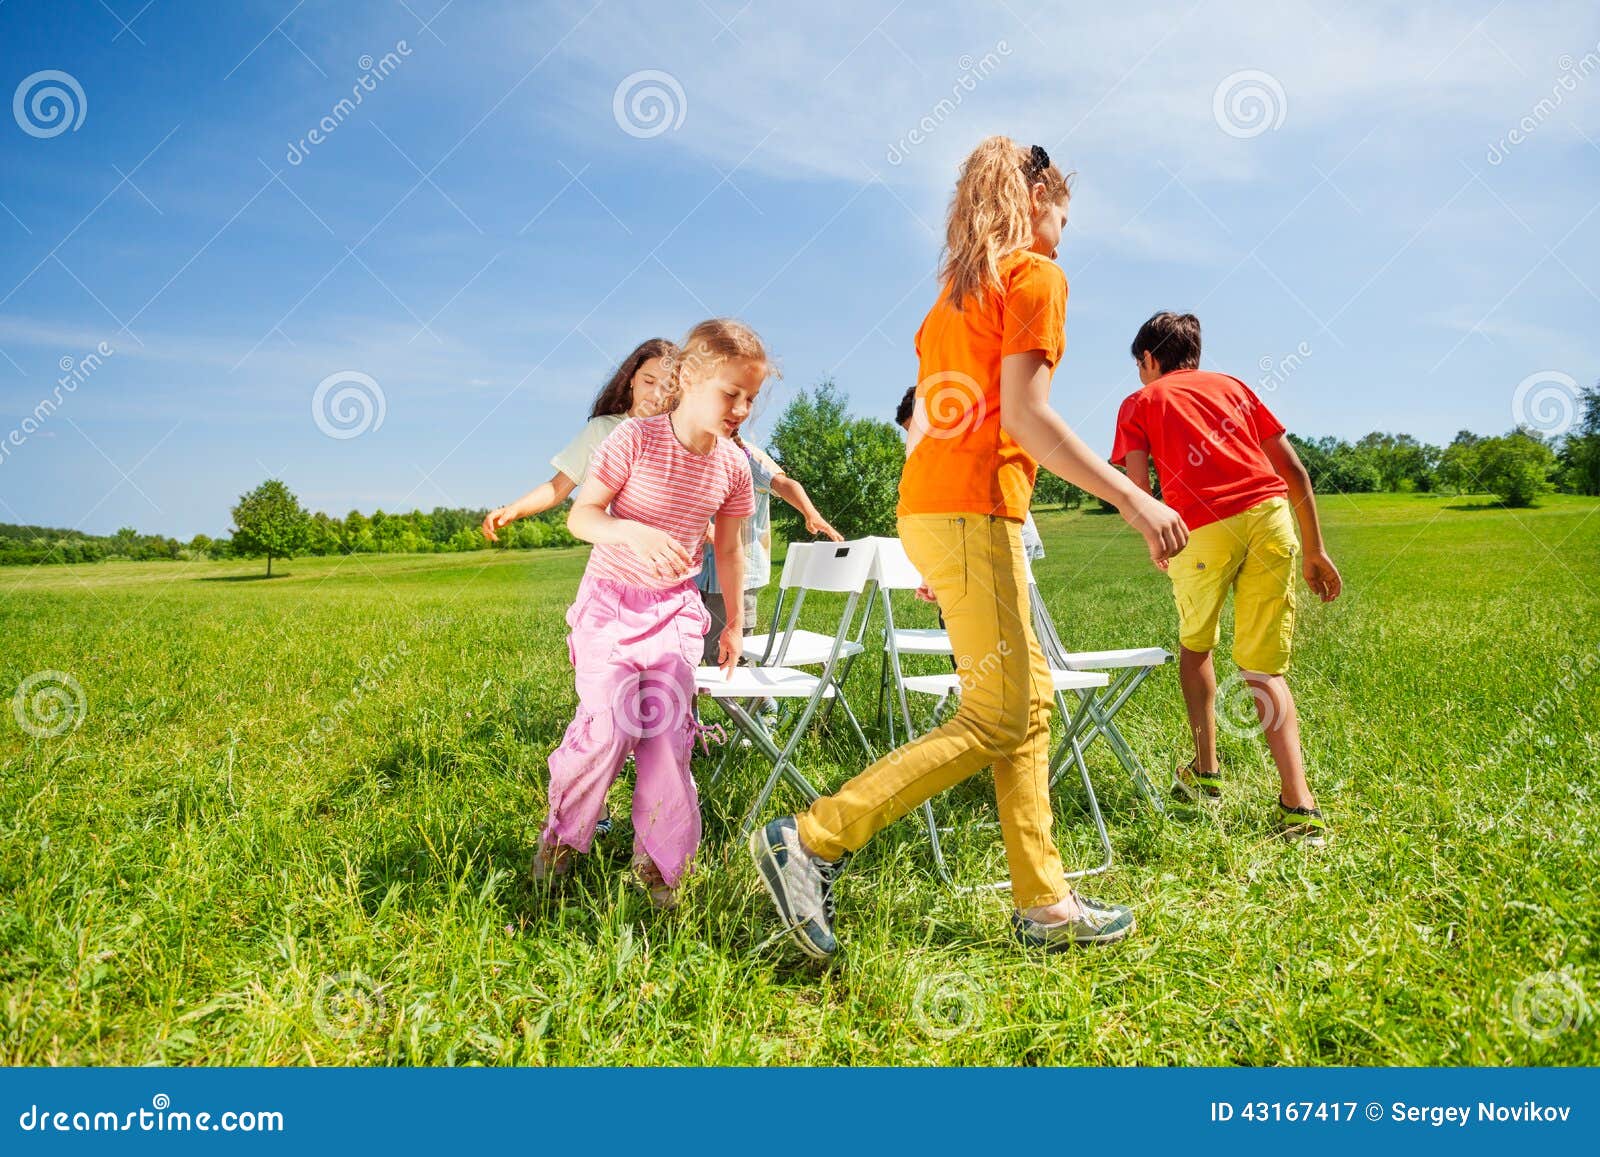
(1227, 467)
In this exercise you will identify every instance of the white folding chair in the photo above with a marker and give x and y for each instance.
(893, 571)
(1069, 749)
(839, 568)
(1098, 707)
(792, 646)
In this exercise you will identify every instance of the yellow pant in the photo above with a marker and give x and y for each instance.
(1253, 554)
(975, 566)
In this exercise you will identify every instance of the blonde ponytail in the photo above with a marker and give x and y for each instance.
(991, 213)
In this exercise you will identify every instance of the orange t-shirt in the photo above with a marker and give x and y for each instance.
(962, 461)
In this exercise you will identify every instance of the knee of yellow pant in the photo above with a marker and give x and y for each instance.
(1011, 731)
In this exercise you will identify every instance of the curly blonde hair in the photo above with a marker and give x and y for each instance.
(991, 213)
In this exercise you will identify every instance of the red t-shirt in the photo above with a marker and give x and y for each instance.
(1204, 432)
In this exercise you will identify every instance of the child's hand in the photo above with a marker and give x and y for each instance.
(1163, 530)
(1322, 576)
(730, 644)
(494, 520)
(659, 550)
(925, 593)
(816, 524)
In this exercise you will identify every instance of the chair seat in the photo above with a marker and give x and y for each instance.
(950, 681)
(806, 648)
(921, 641)
(1105, 660)
(758, 683)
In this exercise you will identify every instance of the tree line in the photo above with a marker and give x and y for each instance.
(851, 467)
(444, 529)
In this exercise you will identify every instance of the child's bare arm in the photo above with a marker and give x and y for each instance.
(795, 495)
(536, 501)
(591, 521)
(730, 577)
(1026, 415)
(1138, 465)
(1321, 575)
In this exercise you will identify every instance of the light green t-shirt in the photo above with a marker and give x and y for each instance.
(573, 460)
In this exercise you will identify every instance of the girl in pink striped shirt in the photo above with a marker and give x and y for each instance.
(638, 622)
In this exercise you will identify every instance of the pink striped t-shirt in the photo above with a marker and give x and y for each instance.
(660, 483)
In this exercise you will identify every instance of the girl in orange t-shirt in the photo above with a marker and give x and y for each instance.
(982, 427)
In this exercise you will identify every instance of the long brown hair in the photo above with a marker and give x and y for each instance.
(617, 396)
(991, 213)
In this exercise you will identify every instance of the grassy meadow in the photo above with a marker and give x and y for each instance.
(293, 821)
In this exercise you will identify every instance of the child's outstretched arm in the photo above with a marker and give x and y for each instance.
(589, 520)
(536, 501)
(1321, 575)
(1026, 415)
(795, 495)
(730, 577)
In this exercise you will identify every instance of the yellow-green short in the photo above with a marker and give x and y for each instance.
(1253, 554)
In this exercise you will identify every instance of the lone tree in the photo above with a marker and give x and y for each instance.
(849, 466)
(270, 521)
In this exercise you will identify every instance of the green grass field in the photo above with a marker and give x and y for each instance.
(178, 887)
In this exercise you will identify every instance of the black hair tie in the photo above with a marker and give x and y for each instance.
(1038, 160)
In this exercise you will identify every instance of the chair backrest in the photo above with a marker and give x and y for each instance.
(838, 567)
(892, 569)
(794, 565)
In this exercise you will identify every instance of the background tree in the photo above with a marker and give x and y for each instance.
(1458, 465)
(849, 466)
(1516, 469)
(269, 520)
(1580, 452)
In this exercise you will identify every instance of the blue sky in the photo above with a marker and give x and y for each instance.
(483, 237)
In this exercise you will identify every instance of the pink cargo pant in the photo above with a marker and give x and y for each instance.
(634, 652)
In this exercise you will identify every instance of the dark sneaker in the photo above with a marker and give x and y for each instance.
(603, 828)
(800, 884)
(1097, 923)
(1191, 785)
(1303, 825)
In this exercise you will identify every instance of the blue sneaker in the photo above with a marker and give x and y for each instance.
(800, 884)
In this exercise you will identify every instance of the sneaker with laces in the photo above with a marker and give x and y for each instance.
(1303, 825)
(1096, 923)
(1191, 785)
(800, 884)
